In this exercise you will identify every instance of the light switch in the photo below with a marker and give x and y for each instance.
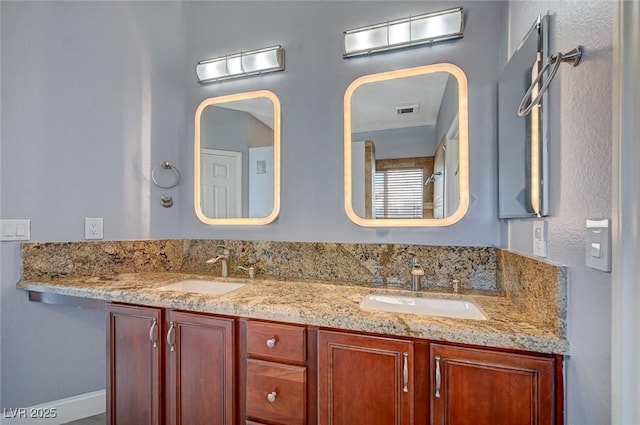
(16, 229)
(599, 244)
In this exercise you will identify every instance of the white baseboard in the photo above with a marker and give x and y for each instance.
(57, 412)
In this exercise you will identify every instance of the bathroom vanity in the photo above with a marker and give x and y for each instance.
(187, 368)
(289, 351)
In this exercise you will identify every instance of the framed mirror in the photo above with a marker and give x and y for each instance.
(522, 141)
(406, 159)
(237, 159)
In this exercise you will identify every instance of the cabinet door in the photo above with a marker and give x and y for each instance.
(364, 380)
(478, 386)
(200, 357)
(134, 365)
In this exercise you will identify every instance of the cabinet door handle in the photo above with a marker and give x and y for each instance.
(152, 333)
(271, 397)
(170, 337)
(405, 372)
(438, 377)
(271, 342)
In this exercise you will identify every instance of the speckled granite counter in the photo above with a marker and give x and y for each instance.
(319, 304)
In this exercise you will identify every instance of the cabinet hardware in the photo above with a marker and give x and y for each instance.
(405, 372)
(438, 377)
(271, 397)
(152, 333)
(170, 337)
(271, 342)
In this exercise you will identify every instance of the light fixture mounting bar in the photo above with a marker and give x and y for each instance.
(241, 64)
(406, 32)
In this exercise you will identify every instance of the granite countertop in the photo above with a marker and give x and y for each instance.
(316, 303)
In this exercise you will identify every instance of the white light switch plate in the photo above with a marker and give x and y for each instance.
(15, 230)
(599, 244)
(540, 238)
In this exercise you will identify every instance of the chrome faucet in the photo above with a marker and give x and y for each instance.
(224, 257)
(416, 273)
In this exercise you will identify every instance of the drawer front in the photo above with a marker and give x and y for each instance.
(276, 341)
(276, 392)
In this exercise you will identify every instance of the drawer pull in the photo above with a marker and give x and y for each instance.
(438, 377)
(405, 372)
(271, 343)
(271, 397)
(152, 333)
(170, 337)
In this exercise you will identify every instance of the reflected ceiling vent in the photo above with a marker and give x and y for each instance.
(408, 109)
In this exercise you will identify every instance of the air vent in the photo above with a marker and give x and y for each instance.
(407, 109)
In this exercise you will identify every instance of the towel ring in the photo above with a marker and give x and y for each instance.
(167, 166)
(573, 57)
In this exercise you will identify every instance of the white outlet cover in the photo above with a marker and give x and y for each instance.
(540, 238)
(93, 227)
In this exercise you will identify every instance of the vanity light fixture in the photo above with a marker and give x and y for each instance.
(243, 64)
(406, 32)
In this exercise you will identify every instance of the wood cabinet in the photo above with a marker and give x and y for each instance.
(200, 365)
(169, 367)
(482, 386)
(364, 380)
(178, 372)
(276, 374)
(134, 358)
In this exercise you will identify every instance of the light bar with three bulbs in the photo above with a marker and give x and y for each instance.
(242, 64)
(406, 32)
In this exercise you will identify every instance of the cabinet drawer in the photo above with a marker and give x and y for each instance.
(276, 341)
(276, 392)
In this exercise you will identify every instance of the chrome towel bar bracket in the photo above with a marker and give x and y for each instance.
(165, 200)
(572, 57)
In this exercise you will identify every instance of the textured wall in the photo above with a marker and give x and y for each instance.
(580, 188)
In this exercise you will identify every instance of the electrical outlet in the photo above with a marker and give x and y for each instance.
(93, 228)
(540, 238)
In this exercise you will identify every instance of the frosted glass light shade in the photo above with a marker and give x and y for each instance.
(241, 64)
(412, 31)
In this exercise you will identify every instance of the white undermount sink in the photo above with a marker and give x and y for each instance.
(208, 287)
(462, 309)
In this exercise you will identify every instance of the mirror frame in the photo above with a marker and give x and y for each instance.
(463, 118)
(276, 159)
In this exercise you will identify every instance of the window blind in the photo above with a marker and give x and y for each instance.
(399, 193)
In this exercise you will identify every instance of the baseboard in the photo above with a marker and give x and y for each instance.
(57, 412)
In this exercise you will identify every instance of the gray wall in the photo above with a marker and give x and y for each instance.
(311, 92)
(405, 142)
(580, 174)
(95, 94)
(448, 109)
(92, 97)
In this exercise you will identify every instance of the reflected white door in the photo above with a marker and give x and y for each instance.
(439, 175)
(221, 183)
(452, 165)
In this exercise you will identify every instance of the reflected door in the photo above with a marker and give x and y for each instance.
(221, 183)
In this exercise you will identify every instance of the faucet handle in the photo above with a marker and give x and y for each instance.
(250, 269)
(455, 283)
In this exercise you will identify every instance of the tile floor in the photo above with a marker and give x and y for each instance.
(92, 420)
